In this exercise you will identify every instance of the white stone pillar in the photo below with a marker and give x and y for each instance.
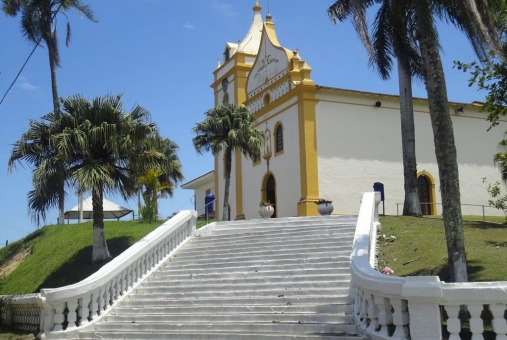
(423, 294)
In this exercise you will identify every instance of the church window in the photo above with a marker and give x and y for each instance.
(227, 54)
(279, 138)
(225, 100)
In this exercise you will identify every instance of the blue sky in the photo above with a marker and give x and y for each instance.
(161, 54)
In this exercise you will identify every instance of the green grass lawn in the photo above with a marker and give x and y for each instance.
(420, 249)
(61, 254)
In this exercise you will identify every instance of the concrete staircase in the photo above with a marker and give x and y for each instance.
(260, 279)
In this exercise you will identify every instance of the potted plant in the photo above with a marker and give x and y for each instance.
(325, 207)
(266, 209)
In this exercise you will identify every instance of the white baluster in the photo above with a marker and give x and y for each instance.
(93, 305)
(400, 318)
(364, 311)
(499, 323)
(453, 322)
(385, 316)
(476, 323)
(72, 313)
(59, 317)
(117, 287)
(372, 314)
(84, 310)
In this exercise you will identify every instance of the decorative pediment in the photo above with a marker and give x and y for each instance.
(271, 64)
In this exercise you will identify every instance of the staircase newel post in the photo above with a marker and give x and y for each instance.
(423, 294)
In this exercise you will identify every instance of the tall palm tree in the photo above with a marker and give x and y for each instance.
(391, 38)
(100, 143)
(38, 23)
(225, 129)
(476, 19)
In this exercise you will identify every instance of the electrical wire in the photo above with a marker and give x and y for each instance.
(28, 58)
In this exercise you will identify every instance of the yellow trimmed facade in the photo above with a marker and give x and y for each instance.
(335, 142)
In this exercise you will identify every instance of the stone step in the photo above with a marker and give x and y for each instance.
(247, 327)
(243, 273)
(232, 268)
(245, 280)
(301, 290)
(246, 257)
(253, 264)
(158, 287)
(304, 318)
(235, 309)
(177, 335)
(292, 221)
(312, 232)
(134, 300)
(285, 249)
(331, 241)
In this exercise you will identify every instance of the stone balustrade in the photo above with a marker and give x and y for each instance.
(389, 307)
(58, 313)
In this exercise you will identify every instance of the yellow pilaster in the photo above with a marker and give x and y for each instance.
(240, 79)
(308, 152)
(217, 190)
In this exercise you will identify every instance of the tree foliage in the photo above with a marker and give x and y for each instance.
(227, 128)
(490, 76)
(39, 23)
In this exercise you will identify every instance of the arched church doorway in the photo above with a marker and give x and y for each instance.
(269, 189)
(426, 187)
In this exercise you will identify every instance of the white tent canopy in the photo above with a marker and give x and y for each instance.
(111, 210)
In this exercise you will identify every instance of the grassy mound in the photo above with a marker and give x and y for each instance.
(419, 248)
(59, 255)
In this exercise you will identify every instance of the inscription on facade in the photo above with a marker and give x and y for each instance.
(268, 59)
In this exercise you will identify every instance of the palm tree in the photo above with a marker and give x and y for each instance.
(225, 129)
(38, 22)
(162, 179)
(476, 19)
(36, 148)
(392, 39)
(100, 143)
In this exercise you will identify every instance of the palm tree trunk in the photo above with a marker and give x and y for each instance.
(443, 136)
(56, 110)
(154, 201)
(100, 251)
(411, 205)
(228, 166)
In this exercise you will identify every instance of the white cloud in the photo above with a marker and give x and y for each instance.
(24, 84)
(189, 26)
(223, 8)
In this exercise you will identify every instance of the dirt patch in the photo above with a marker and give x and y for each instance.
(13, 263)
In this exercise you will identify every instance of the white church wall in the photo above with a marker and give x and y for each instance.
(359, 144)
(200, 193)
(285, 166)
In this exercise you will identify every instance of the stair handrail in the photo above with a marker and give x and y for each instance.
(414, 305)
(70, 308)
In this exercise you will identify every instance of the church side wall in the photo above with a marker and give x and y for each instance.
(284, 166)
(359, 144)
(200, 196)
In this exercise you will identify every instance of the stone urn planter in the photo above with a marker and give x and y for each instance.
(324, 207)
(266, 209)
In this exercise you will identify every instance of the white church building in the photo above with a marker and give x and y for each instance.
(333, 143)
